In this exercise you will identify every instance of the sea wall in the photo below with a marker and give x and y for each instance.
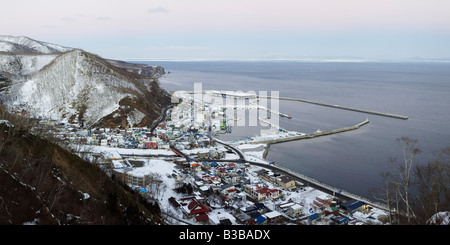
(314, 135)
(342, 107)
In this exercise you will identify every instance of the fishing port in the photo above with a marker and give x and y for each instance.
(185, 147)
(340, 107)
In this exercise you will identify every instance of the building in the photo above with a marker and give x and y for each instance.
(354, 206)
(341, 220)
(286, 182)
(295, 210)
(195, 208)
(265, 174)
(314, 218)
(132, 178)
(174, 202)
(228, 190)
(274, 217)
(260, 193)
(323, 201)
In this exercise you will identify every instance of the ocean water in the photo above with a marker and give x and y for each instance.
(352, 160)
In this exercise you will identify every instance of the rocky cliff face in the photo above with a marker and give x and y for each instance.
(140, 69)
(75, 86)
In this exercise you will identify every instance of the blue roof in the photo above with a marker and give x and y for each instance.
(355, 205)
(259, 205)
(260, 219)
(313, 216)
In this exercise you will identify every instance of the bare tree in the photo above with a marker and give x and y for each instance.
(396, 187)
(433, 184)
(403, 168)
(387, 194)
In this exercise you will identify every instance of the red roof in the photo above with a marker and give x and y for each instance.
(201, 217)
(174, 202)
(197, 208)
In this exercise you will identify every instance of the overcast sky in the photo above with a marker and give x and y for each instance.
(237, 29)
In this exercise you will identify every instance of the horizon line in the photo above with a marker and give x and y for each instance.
(337, 60)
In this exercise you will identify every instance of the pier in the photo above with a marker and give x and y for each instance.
(312, 135)
(340, 107)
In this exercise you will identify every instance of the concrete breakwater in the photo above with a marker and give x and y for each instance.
(345, 195)
(339, 107)
(312, 135)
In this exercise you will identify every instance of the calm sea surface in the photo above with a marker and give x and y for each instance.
(352, 160)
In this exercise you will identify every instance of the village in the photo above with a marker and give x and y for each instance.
(200, 180)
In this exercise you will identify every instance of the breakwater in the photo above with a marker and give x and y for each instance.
(312, 135)
(338, 192)
(338, 107)
(308, 181)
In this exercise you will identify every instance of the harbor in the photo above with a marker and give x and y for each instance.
(311, 135)
(253, 96)
(340, 107)
(184, 147)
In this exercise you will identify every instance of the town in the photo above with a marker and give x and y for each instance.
(196, 178)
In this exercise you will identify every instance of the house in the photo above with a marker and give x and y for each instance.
(242, 218)
(261, 220)
(228, 190)
(354, 206)
(274, 217)
(194, 166)
(331, 210)
(202, 218)
(225, 222)
(195, 208)
(174, 202)
(265, 174)
(257, 207)
(323, 201)
(341, 220)
(314, 218)
(233, 178)
(295, 210)
(260, 193)
(286, 182)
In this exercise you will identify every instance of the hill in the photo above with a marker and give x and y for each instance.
(75, 86)
(42, 183)
(23, 44)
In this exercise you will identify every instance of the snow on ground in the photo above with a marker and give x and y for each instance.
(116, 151)
(441, 218)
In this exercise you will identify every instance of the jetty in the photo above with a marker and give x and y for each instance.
(311, 135)
(338, 107)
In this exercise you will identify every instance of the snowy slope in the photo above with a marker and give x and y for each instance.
(72, 81)
(23, 44)
(71, 85)
(21, 65)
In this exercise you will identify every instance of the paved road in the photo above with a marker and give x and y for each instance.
(341, 194)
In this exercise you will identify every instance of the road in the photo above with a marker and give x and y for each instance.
(339, 193)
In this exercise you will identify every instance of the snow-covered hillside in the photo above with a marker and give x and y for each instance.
(73, 86)
(71, 83)
(19, 66)
(27, 45)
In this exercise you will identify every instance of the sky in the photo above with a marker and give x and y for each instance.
(237, 29)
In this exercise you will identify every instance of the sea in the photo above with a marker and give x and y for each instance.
(353, 160)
